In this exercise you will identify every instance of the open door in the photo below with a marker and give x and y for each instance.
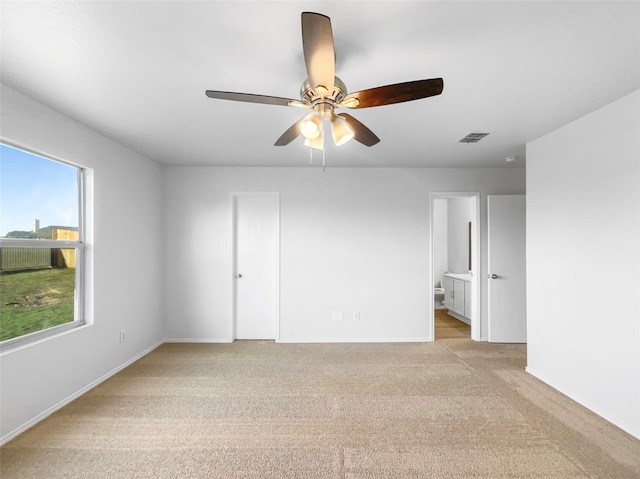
(507, 269)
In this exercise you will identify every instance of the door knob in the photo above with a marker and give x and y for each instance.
(493, 276)
(238, 275)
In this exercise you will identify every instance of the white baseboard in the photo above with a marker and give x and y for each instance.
(199, 340)
(74, 396)
(355, 340)
(459, 318)
(635, 432)
(308, 340)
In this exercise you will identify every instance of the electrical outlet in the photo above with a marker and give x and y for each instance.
(356, 316)
(122, 336)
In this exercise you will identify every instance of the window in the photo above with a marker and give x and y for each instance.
(42, 249)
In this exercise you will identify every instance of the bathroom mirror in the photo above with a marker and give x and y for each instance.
(469, 245)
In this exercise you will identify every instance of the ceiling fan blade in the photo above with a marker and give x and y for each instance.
(288, 136)
(362, 134)
(390, 94)
(251, 98)
(319, 55)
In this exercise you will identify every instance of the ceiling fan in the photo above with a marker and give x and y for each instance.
(323, 92)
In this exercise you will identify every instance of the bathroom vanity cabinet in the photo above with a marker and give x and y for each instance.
(457, 295)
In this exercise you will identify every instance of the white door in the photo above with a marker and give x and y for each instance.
(256, 271)
(507, 271)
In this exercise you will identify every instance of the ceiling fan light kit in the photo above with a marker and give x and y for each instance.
(323, 92)
(316, 143)
(311, 125)
(341, 131)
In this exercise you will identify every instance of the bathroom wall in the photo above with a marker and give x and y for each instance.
(459, 214)
(439, 240)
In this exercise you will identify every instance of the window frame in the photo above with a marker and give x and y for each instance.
(80, 289)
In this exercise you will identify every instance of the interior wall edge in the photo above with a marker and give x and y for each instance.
(616, 421)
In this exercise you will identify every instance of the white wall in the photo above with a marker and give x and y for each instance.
(127, 272)
(459, 214)
(583, 261)
(439, 240)
(352, 239)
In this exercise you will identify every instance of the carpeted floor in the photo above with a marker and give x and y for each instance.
(257, 409)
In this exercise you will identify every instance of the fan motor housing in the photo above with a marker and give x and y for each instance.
(310, 95)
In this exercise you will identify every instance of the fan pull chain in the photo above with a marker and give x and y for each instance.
(311, 156)
(323, 170)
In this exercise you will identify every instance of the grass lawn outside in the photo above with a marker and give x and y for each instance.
(35, 300)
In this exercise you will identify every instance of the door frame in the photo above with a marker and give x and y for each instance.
(475, 261)
(233, 200)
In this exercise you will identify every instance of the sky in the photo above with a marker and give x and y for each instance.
(35, 187)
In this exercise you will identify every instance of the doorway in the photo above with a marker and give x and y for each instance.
(455, 251)
(255, 230)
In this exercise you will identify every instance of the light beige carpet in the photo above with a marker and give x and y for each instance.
(254, 409)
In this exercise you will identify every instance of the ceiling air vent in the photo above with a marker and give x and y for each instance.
(473, 138)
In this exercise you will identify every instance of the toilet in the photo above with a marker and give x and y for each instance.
(438, 297)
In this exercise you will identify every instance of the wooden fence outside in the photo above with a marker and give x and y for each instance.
(19, 259)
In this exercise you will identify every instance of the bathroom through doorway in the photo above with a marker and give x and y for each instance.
(455, 265)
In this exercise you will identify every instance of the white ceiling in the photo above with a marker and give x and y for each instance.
(137, 72)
